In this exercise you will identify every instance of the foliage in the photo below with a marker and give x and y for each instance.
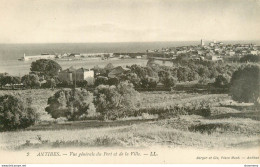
(115, 101)
(113, 81)
(47, 67)
(100, 80)
(168, 81)
(245, 84)
(182, 74)
(7, 79)
(15, 113)
(31, 81)
(222, 81)
(50, 83)
(250, 58)
(149, 82)
(73, 104)
(109, 66)
(82, 84)
(99, 71)
(132, 78)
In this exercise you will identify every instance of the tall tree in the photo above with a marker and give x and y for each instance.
(46, 67)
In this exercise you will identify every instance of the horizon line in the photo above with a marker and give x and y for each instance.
(128, 41)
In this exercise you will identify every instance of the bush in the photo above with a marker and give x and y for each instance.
(101, 81)
(31, 81)
(245, 84)
(221, 81)
(149, 82)
(115, 101)
(15, 113)
(7, 79)
(169, 81)
(250, 58)
(73, 104)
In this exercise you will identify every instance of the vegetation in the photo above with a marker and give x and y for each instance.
(222, 81)
(115, 101)
(31, 81)
(250, 58)
(175, 117)
(7, 79)
(46, 67)
(15, 113)
(245, 84)
(72, 104)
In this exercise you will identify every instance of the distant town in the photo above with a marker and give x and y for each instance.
(213, 51)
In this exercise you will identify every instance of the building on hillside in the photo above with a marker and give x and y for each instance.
(71, 75)
(117, 71)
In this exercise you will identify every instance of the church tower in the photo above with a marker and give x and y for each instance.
(202, 42)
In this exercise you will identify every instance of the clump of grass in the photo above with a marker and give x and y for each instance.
(105, 141)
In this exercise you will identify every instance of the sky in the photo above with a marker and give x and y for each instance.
(70, 21)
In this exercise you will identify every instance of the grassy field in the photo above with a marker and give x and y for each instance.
(230, 125)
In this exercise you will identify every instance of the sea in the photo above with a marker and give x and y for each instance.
(10, 53)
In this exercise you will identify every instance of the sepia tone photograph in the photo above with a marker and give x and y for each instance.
(130, 81)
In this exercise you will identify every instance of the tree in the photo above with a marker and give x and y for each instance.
(99, 71)
(132, 78)
(222, 81)
(101, 81)
(182, 74)
(31, 81)
(7, 79)
(115, 101)
(250, 58)
(73, 104)
(245, 84)
(113, 81)
(193, 75)
(204, 72)
(46, 67)
(169, 81)
(16, 113)
(82, 84)
(51, 83)
(149, 82)
(109, 66)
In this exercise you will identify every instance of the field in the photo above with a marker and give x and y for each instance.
(230, 125)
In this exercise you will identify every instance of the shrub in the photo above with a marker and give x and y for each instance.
(250, 58)
(31, 81)
(7, 79)
(101, 81)
(149, 82)
(113, 81)
(73, 104)
(221, 81)
(15, 113)
(169, 81)
(115, 101)
(245, 84)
